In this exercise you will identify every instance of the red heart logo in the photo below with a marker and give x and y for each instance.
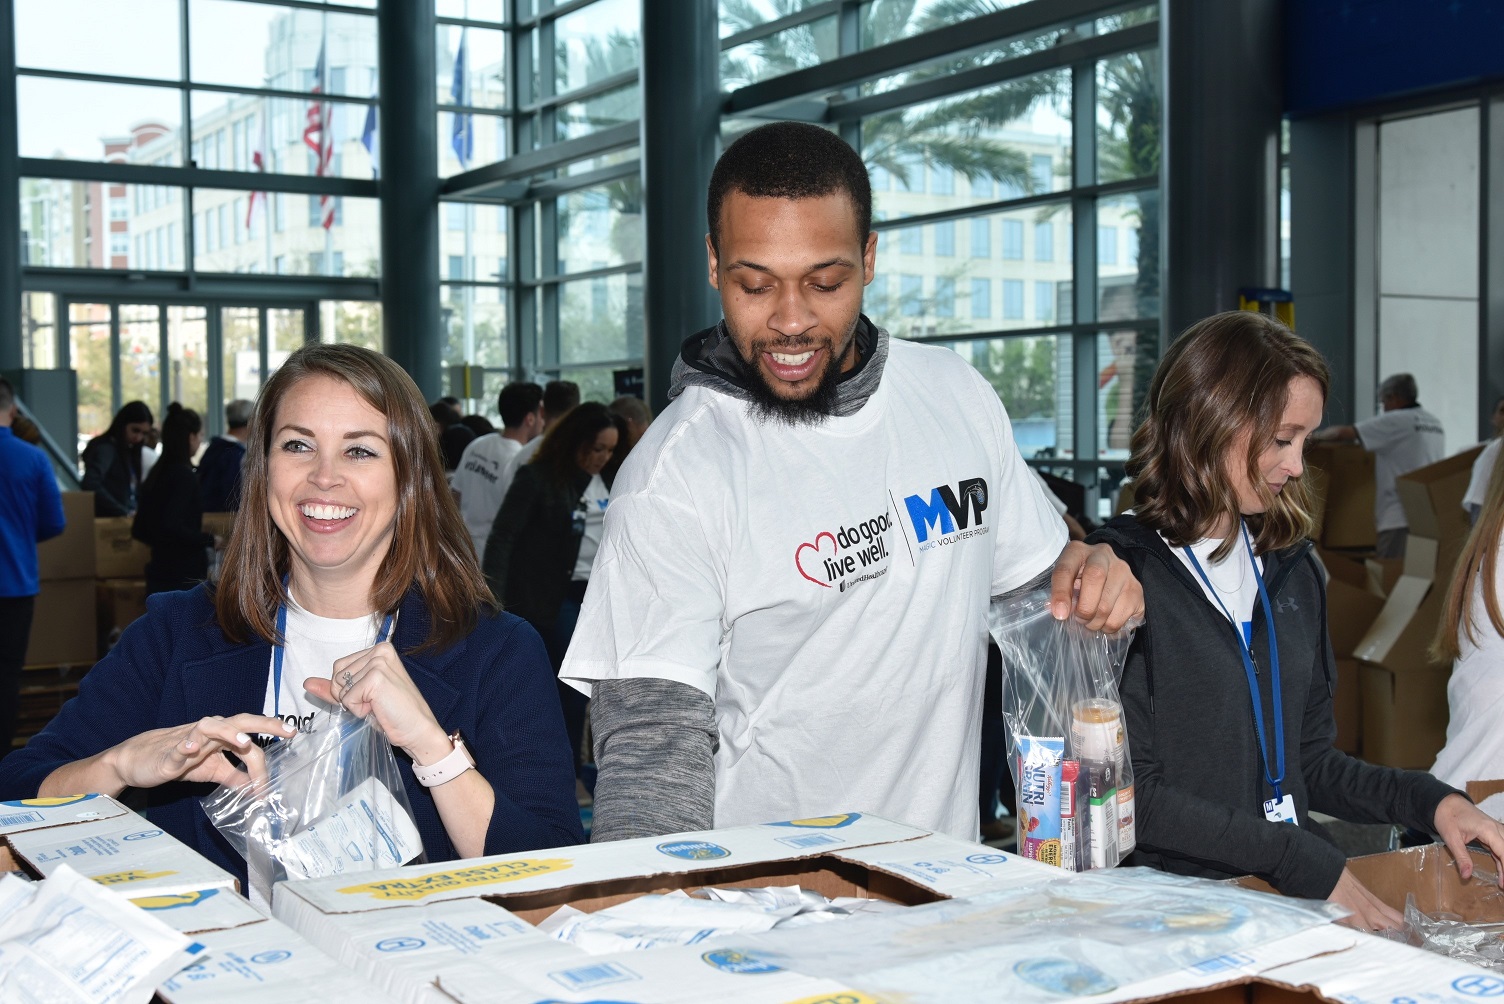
(822, 535)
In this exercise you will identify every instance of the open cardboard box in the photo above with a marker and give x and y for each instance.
(826, 874)
(486, 908)
(1404, 694)
(1429, 873)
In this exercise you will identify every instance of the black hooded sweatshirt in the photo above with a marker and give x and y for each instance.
(1198, 776)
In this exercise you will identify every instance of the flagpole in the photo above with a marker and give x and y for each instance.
(266, 197)
(467, 142)
(326, 138)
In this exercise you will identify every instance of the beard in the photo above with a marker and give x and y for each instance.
(811, 409)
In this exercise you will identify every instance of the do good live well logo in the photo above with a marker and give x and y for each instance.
(849, 555)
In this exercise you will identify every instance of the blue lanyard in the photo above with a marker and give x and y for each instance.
(386, 628)
(1246, 651)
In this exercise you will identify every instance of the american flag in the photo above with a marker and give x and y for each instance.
(318, 136)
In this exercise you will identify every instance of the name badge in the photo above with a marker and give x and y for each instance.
(1280, 810)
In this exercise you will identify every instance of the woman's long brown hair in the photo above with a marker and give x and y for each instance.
(431, 550)
(1476, 566)
(1228, 373)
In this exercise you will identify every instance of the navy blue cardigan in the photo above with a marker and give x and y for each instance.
(174, 666)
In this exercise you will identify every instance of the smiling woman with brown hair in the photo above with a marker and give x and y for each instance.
(352, 580)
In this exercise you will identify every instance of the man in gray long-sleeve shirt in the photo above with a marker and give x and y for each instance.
(787, 614)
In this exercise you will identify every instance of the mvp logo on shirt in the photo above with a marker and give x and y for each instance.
(947, 515)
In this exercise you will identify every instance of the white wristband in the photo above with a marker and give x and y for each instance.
(450, 767)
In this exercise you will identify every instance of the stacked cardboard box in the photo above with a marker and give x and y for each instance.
(1344, 477)
(1352, 605)
(118, 555)
(1404, 693)
(120, 569)
(57, 653)
(66, 564)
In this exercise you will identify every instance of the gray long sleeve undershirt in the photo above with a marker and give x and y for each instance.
(655, 743)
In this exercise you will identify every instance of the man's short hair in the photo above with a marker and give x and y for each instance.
(7, 395)
(559, 396)
(238, 413)
(789, 160)
(1400, 386)
(633, 409)
(517, 401)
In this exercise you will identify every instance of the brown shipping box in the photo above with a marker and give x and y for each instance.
(1429, 873)
(121, 601)
(1347, 519)
(219, 523)
(61, 608)
(1404, 694)
(1351, 608)
(118, 555)
(70, 555)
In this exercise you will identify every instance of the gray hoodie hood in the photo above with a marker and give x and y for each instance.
(709, 359)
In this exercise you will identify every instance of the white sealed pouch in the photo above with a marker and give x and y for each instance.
(1067, 738)
(332, 802)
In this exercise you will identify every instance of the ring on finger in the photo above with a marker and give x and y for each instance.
(347, 677)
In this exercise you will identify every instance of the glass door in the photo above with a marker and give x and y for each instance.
(199, 354)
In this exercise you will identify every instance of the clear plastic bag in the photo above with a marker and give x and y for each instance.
(332, 802)
(1447, 934)
(1067, 740)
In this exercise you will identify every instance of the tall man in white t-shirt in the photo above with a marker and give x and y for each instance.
(787, 615)
(478, 481)
(1402, 437)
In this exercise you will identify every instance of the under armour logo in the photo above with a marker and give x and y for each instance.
(1286, 605)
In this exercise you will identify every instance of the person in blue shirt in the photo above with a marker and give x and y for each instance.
(31, 510)
(219, 467)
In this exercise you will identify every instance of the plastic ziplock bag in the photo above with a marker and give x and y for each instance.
(332, 802)
(1067, 741)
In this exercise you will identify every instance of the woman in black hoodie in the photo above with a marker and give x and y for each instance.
(1227, 691)
(112, 461)
(538, 556)
(170, 518)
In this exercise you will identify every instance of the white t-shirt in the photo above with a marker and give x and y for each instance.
(522, 456)
(593, 509)
(1401, 441)
(313, 644)
(1234, 589)
(828, 586)
(1475, 695)
(1054, 500)
(1483, 469)
(480, 483)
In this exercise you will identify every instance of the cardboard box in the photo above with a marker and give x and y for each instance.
(70, 555)
(56, 640)
(118, 555)
(1347, 510)
(125, 852)
(1383, 573)
(1352, 604)
(1403, 693)
(219, 523)
(27, 814)
(1429, 873)
(1479, 790)
(120, 601)
(495, 901)
(1347, 706)
(262, 961)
